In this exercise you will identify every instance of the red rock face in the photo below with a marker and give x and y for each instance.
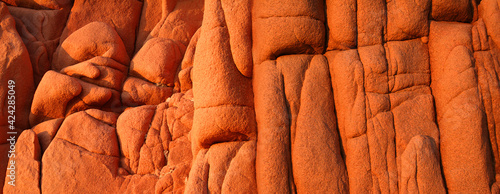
(242, 96)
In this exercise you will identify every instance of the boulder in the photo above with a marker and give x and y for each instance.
(123, 17)
(72, 95)
(92, 147)
(91, 40)
(156, 65)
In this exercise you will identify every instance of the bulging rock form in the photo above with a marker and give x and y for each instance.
(460, 113)
(315, 131)
(184, 82)
(46, 131)
(412, 104)
(489, 11)
(486, 39)
(342, 28)
(407, 19)
(176, 140)
(370, 21)
(96, 59)
(350, 104)
(137, 91)
(92, 40)
(420, 169)
(287, 27)
(132, 127)
(460, 11)
(72, 95)
(91, 145)
(223, 139)
(272, 165)
(123, 16)
(286, 134)
(224, 168)
(156, 63)
(223, 97)
(179, 21)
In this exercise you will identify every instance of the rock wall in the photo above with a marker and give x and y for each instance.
(242, 96)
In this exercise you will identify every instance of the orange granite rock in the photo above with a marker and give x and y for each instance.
(92, 147)
(223, 97)
(150, 16)
(242, 96)
(40, 31)
(41, 4)
(420, 169)
(460, 113)
(25, 166)
(123, 16)
(15, 65)
(287, 27)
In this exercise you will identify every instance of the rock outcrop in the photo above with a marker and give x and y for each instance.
(250, 96)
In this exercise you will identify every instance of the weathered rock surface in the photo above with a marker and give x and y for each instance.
(287, 27)
(15, 65)
(25, 165)
(156, 65)
(91, 144)
(420, 169)
(150, 16)
(41, 4)
(154, 69)
(460, 113)
(242, 96)
(223, 97)
(123, 16)
(40, 31)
